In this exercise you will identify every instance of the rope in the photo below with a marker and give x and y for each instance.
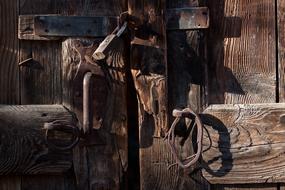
(170, 137)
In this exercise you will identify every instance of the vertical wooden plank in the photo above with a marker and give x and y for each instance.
(9, 70)
(186, 82)
(40, 78)
(41, 82)
(149, 70)
(9, 44)
(10, 183)
(281, 48)
(242, 57)
(242, 51)
(99, 166)
(281, 54)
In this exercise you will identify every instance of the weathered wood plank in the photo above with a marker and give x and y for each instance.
(9, 44)
(41, 79)
(105, 162)
(242, 51)
(148, 65)
(244, 143)
(149, 72)
(247, 187)
(41, 82)
(186, 71)
(10, 183)
(54, 27)
(53, 183)
(100, 167)
(24, 149)
(281, 48)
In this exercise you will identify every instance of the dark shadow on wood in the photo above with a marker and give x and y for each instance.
(220, 78)
(224, 145)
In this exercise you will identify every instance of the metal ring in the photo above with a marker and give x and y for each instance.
(171, 137)
(61, 126)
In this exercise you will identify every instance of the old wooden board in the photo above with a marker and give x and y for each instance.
(9, 44)
(24, 148)
(186, 68)
(40, 80)
(247, 187)
(10, 183)
(242, 50)
(99, 166)
(244, 143)
(52, 27)
(281, 48)
(106, 161)
(148, 66)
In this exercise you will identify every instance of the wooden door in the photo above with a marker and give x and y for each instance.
(238, 60)
(36, 70)
(243, 65)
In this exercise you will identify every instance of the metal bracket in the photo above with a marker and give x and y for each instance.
(55, 27)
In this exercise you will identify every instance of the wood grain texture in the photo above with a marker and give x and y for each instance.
(100, 166)
(149, 71)
(10, 183)
(107, 162)
(41, 80)
(247, 187)
(244, 143)
(65, 182)
(186, 69)
(148, 67)
(281, 48)
(242, 52)
(9, 44)
(24, 149)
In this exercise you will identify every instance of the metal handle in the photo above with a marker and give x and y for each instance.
(87, 112)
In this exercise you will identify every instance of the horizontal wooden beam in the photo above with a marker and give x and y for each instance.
(23, 146)
(188, 18)
(53, 27)
(244, 143)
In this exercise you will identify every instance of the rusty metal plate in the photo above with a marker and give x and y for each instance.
(73, 26)
(187, 18)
